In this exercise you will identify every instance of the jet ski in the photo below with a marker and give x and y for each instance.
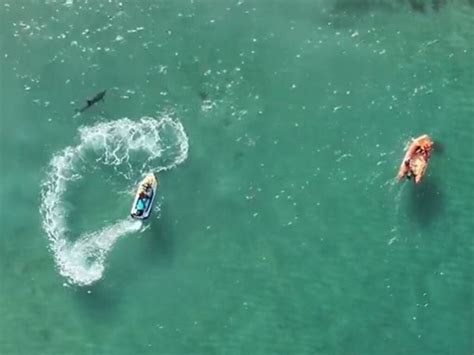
(143, 202)
(416, 159)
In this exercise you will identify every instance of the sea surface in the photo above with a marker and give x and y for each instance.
(276, 129)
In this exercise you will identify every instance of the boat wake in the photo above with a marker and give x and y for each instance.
(132, 148)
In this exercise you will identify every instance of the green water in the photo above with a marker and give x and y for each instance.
(276, 128)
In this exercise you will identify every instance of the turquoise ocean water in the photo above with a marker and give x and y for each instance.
(276, 129)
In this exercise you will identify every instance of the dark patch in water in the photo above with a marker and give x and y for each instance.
(238, 156)
(45, 334)
(426, 201)
(203, 95)
(418, 5)
(438, 148)
(438, 4)
(354, 7)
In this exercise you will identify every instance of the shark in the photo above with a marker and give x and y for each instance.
(91, 102)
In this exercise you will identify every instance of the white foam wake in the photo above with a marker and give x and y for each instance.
(133, 148)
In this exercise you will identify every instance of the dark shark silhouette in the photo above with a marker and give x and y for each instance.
(98, 97)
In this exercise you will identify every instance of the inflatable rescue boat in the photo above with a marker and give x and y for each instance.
(416, 159)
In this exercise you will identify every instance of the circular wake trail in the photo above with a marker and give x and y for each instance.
(133, 148)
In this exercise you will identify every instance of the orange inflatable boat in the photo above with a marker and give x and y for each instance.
(416, 159)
